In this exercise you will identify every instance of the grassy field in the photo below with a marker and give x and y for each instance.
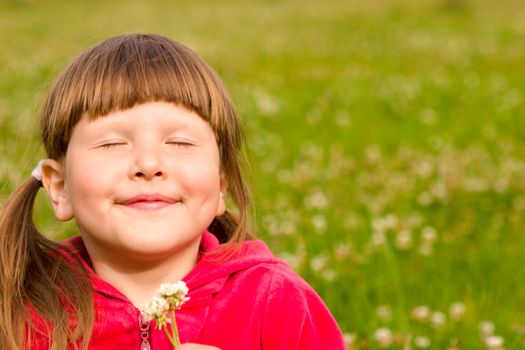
(386, 140)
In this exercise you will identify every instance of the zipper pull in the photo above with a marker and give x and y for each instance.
(144, 332)
(145, 345)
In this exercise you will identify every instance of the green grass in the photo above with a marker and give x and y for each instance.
(368, 124)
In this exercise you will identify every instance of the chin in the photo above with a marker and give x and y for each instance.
(159, 244)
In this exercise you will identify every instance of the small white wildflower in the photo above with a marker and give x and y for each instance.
(379, 224)
(379, 238)
(486, 328)
(387, 222)
(342, 251)
(161, 308)
(384, 312)
(426, 249)
(294, 260)
(456, 311)
(267, 103)
(414, 220)
(319, 262)
(425, 199)
(342, 118)
(350, 339)
(438, 319)
(384, 337)
(494, 342)
(170, 289)
(428, 234)
(319, 223)
(422, 342)
(390, 221)
(439, 190)
(420, 313)
(373, 153)
(316, 200)
(329, 274)
(288, 227)
(174, 294)
(156, 309)
(404, 239)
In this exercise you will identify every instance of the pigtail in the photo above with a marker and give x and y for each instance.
(36, 280)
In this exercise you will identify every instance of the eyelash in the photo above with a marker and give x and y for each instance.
(180, 144)
(111, 145)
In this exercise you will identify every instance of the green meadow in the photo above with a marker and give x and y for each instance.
(386, 140)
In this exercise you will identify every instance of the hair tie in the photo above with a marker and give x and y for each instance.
(37, 171)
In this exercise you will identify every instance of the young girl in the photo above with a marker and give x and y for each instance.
(143, 148)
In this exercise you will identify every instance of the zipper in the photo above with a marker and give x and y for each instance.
(144, 332)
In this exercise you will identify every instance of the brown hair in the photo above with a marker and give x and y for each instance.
(114, 75)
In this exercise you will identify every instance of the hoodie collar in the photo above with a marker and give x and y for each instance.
(215, 263)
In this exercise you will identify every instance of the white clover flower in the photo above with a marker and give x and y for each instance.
(456, 311)
(438, 319)
(384, 312)
(420, 313)
(294, 260)
(425, 199)
(422, 342)
(428, 234)
(384, 337)
(350, 339)
(316, 200)
(161, 308)
(169, 289)
(319, 223)
(156, 310)
(373, 153)
(486, 328)
(378, 238)
(319, 262)
(342, 251)
(404, 239)
(329, 274)
(494, 342)
(378, 224)
(426, 249)
(390, 221)
(174, 294)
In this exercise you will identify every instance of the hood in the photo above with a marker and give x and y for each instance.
(215, 264)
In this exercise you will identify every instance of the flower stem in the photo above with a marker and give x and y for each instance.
(172, 341)
(174, 329)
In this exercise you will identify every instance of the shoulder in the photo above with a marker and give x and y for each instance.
(281, 282)
(295, 316)
(255, 263)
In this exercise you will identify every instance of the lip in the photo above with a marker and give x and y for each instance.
(148, 201)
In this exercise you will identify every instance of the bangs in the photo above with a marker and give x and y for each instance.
(138, 71)
(133, 69)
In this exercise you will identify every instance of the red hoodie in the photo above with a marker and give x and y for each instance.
(251, 300)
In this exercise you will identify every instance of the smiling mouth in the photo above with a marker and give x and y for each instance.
(148, 202)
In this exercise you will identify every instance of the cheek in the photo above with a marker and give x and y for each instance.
(88, 182)
(202, 178)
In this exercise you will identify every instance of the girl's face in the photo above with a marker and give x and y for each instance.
(142, 183)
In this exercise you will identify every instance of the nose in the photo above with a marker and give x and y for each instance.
(148, 164)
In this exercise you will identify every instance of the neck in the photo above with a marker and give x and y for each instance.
(140, 280)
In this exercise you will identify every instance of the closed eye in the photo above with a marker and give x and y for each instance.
(112, 145)
(180, 144)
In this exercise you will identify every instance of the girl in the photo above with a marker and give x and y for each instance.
(143, 145)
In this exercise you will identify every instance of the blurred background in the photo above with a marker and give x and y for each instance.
(386, 140)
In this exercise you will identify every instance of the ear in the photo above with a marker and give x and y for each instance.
(221, 208)
(55, 185)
